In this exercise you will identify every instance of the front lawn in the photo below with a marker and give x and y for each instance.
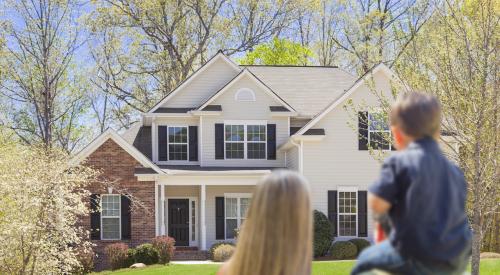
(488, 267)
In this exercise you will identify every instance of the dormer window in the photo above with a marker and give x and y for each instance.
(245, 94)
(245, 141)
(177, 143)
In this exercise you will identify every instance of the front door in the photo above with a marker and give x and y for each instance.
(178, 221)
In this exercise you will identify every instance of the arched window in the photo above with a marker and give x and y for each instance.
(245, 94)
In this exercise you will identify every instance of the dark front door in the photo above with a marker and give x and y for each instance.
(178, 221)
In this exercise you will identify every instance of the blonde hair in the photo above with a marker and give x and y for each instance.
(276, 237)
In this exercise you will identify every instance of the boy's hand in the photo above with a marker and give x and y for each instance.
(377, 204)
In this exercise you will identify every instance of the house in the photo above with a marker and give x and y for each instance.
(195, 157)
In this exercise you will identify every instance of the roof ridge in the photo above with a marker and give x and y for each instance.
(291, 66)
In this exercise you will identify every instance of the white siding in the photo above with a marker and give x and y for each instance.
(292, 159)
(336, 161)
(235, 110)
(206, 83)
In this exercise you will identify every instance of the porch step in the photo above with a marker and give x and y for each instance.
(184, 254)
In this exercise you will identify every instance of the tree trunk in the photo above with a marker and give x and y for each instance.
(476, 238)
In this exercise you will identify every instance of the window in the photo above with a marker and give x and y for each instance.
(177, 143)
(379, 134)
(236, 209)
(245, 94)
(110, 217)
(193, 221)
(347, 212)
(245, 141)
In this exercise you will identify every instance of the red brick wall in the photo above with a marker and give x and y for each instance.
(118, 166)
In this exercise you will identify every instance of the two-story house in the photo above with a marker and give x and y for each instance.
(193, 160)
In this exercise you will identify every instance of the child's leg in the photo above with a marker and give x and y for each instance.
(381, 256)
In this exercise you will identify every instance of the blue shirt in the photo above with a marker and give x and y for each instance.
(427, 193)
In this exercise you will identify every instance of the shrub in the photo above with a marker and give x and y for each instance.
(117, 255)
(342, 250)
(86, 260)
(146, 254)
(214, 246)
(323, 234)
(223, 252)
(360, 244)
(165, 247)
(130, 257)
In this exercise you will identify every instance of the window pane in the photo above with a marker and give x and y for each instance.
(256, 133)
(256, 150)
(110, 228)
(378, 122)
(231, 225)
(177, 134)
(380, 140)
(244, 204)
(347, 225)
(235, 132)
(193, 219)
(235, 150)
(110, 206)
(231, 207)
(177, 152)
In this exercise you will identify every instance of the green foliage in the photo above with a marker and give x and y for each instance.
(323, 234)
(278, 52)
(361, 244)
(223, 252)
(146, 254)
(214, 246)
(344, 250)
(130, 258)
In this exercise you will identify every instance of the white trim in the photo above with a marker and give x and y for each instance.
(217, 56)
(111, 134)
(351, 189)
(200, 141)
(154, 140)
(190, 199)
(162, 210)
(157, 222)
(112, 217)
(171, 172)
(381, 67)
(244, 90)
(246, 72)
(238, 197)
(203, 226)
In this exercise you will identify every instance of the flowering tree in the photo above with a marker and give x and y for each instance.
(41, 201)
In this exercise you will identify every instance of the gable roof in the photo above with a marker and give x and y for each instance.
(309, 89)
(218, 56)
(243, 73)
(129, 148)
(360, 81)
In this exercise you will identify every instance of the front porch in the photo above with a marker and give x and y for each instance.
(193, 210)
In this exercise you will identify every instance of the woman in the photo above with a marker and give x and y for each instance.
(276, 238)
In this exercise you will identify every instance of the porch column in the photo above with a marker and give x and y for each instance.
(162, 209)
(157, 210)
(203, 226)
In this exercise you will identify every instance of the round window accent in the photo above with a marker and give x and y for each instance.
(245, 94)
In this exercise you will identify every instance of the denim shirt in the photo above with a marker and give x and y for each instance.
(427, 193)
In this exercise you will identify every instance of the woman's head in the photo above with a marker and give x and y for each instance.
(276, 238)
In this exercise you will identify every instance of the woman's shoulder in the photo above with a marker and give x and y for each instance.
(223, 269)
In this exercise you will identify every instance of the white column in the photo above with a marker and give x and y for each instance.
(203, 226)
(162, 209)
(157, 209)
(154, 140)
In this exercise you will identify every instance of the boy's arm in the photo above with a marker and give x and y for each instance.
(377, 204)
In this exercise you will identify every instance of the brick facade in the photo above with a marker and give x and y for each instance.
(118, 166)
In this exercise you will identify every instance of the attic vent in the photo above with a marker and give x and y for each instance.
(244, 94)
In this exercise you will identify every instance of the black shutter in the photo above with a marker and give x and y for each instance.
(193, 143)
(163, 143)
(271, 141)
(332, 210)
(95, 217)
(126, 218)
(219, 218)
(219, 141)
(362, 215)
(363, 130)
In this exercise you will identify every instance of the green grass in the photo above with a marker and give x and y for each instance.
(488, 267)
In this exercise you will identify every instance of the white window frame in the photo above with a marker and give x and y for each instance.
(378, 131)
(178, 143)
(237, 196)
(244, 90)
(347, 189)
(114, 217)
(245, 138)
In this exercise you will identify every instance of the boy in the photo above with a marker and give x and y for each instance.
(424, 195)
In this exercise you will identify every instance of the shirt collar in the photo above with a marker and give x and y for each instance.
(423, 142)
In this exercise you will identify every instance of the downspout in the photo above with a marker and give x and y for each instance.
(299, 150)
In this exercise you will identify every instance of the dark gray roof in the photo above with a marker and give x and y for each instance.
(310, 132)
(278, 109)
(142, 141)
(174, 110)
(213, 108)
(144, 170)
